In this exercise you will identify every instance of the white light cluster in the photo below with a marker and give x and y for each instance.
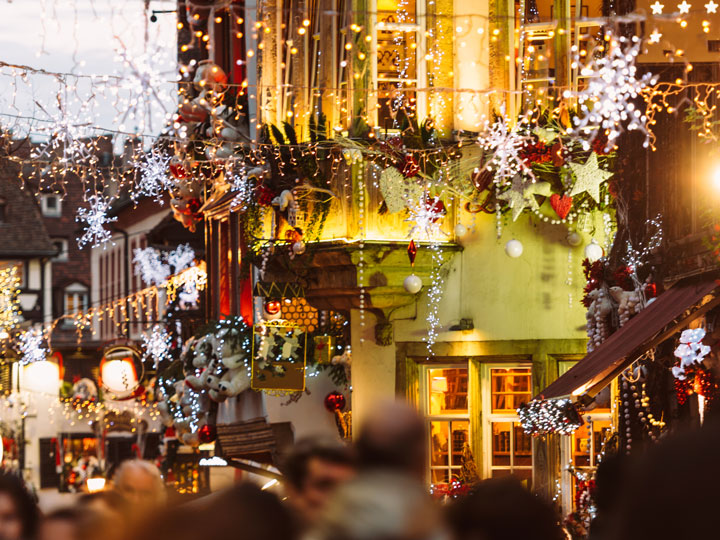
(154, 179)
(505, 143)
(95, 220)
(690, 351)
(637, 257)
(32, 346)
(434, 296)
(155, 267)
(607, 102)
(426, 215)
(157, 343)
(543, 416)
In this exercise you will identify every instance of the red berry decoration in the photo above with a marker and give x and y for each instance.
(208, 433)
(334, 401)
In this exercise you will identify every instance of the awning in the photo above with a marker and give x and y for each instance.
(657, 322)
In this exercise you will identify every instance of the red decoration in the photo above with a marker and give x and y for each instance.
(272, 307)
(207, 433)
(561, 205)
(411, 167)
(437, 207)
(177, 169)
(556, 153)
(334, 401)
(265, 196)
(412, 252)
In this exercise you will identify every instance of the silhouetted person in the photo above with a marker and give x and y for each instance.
(672, 490)
(393, 438)
(313, 470)
(502, 509)
(19, 514)
(141, 485)
(244, 512)
(81, 523)
(380, 505)
(609, 482)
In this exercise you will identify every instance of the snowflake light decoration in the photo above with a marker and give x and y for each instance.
(95, 219)
(68, 136)
(240, 183)
(506, 143)
(32, 347)
(154, 180)
(149, 265)
(612, 85)
(157, 343)
(143, 90)
(690, 351)
(427, 216)
(181, 258)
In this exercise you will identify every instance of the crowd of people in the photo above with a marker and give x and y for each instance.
(375, 490)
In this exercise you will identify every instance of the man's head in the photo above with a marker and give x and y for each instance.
(313, 470)
(393, 438)
(140, 484)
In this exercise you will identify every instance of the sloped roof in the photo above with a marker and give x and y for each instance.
(22, 233)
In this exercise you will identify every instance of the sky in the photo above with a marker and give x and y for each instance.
(84, 37)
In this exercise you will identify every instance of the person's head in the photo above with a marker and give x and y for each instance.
(77, 524)
(393, 437)
(109, 506)
(19, 514)
(380, 505)
(244, 512)
(502, 509)
(141, 485)
(313, 469)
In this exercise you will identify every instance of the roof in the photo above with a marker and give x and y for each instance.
(647, 329)
(22, 233)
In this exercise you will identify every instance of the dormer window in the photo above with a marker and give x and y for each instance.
(51, 205)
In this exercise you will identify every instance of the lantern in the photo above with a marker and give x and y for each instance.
(272, 309)
(44, 376)
(118, 375)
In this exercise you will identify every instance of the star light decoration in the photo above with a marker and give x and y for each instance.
(157, 344)
(655, 36)
(522, 194)
(506, 143)
(32, 347)
(95, 219)
(690, 351)
(684, 7)
(153, 179)
(588, 178)
(711, 6)
(427, 216)
(606, 103)
(657, 8)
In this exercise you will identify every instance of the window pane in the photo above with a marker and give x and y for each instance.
(501, 443)
(525, 475)
(439, 476)
(448, 391)
(601, 430)
(439, 440)
(581, 446)
(522, 447)
(510, 388)
(499, 473)
(460, 437)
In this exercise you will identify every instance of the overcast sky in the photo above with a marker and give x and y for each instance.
(81, 37)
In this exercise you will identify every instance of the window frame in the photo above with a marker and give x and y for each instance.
(64, 254)
(488, 418)
(419, 27)
(79, 289)
(424, 371)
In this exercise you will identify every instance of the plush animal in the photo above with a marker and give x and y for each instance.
(235, 381)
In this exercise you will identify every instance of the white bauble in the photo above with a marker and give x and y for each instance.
(574, 239)
(460, 230)
(514, 248)
(299, 248)
(593, 251)
(412, 284)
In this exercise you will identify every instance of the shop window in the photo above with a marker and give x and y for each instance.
(398, 46)
(446, 406)
(508, 448)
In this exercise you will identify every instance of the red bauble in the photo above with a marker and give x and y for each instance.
(437, 207)
(208, 433)
(334, 401)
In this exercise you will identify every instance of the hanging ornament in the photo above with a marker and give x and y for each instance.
(207, 433)
(514, 248)
(460, 231)
(334, 401)
(574, 238)
(272, 309)
(561, 205)
(299, 247)
(593, 251)
(412, 284)
(412, 251)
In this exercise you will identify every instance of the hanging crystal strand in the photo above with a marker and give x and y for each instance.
(569, 280)
(361, 234)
